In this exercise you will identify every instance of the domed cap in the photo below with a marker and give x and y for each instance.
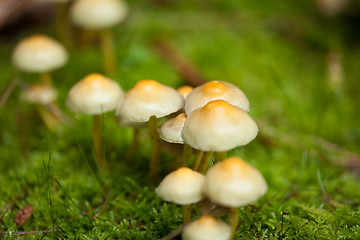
(38, 93)
(149, 98)
(171, 130)
(95, 94)
(183, 186)
(39, 53)
(207, 228)
(185, 90)
(219, 126)
(216, 90)
(98, 14)
(234, 183)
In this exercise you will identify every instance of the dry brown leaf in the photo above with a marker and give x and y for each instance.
(23, 215)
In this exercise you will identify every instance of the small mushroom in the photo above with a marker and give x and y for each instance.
(185, 90)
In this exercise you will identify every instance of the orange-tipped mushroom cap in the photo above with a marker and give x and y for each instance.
(39, 53)
(183, 186)
(95, 94)
(185, 90)
(171, 130)
(149, 98)
(219, 126)
(234, 183)
(216, 90)
(207, 228)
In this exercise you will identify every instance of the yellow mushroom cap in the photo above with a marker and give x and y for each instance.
(171, 130)
(207, 228)
(39, 53)
(185, 90)
(234, 183)
(98, 14)
(219, 126)
(95, 94)
(216, 90)
(183, 186)
(38, 93)
(149, 98)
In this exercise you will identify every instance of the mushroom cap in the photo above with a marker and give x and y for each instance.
(149, 98)
(185, 90)
(216, 90)
(183, 186)
(39, 53)
(171, 130)
(98, 14)
(38, 93)
(219, 126)
(234, 183)
(207, 228)
(95, 94)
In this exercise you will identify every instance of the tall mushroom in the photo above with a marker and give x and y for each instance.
(94, 95)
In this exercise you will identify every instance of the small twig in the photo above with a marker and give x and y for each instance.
(8, 92)
(53, 229)
(10, 206)
(25, 233)
(103, 206)
(326, 197)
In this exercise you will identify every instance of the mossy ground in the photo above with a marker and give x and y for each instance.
(275, 51)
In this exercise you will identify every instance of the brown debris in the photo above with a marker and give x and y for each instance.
(23, 215)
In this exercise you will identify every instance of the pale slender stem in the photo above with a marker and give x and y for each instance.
(97, 140)
(155, 148)
(108, 49)
(46, 79)
(134, 144)
(197, 160)
(187, 151)
(220, 156)
(234, 220)
(186, 213)
(49, 119)
(205, 162)
(62, 23)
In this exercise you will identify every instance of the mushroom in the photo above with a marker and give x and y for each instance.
(145, 102)
(185, 90)
(183, 186)
(218, 126)
(94, 95)
(39, 54)
(101, 15)
(234, 183)
(207, 228)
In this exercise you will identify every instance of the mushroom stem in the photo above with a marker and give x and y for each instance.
(97, 140)
(205, 162)
(46, 79)
(186, 213)
(187, 151)
(220, 156)
(62, 23)
(49, 119)
(197, 160)
(108, 49)
(155, 147)
(234, 220)
(134, 144)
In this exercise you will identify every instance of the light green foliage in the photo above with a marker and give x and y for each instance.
(275, 51)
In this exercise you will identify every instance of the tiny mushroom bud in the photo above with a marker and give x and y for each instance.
(183, 186)
(185, 90)
(216, 90)
(207, 228)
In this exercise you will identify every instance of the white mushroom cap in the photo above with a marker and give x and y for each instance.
(234, 183)
(39, 53)
(38, 93)
(95, 94)
(149, 98)
(185, 90)
(171, 130)
(51, 0)
(216, 90)
(98, 14)
(207, 228)
(183, 186)
(219, 126)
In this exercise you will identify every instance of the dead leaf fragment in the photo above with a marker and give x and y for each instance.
(23, 215)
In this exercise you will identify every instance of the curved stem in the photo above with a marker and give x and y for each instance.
(186, 213)
(46, 79)
(205, 162)
(155, 148)
(97, 140)
(108, 49)
(197, 160)
(234, 220)
(220, 156)
(49, 119)
(187, 151)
